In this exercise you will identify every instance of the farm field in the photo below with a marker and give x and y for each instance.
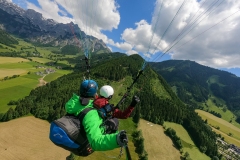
(12, 60)
(223, 125)
(17, 88)
(156, 143)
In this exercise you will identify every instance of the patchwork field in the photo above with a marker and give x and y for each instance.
(223, 125)
(27, 139)
(17, 88)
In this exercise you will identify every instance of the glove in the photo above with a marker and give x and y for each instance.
(135, 100)
(122, 139)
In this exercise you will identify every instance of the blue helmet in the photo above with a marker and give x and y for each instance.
(88, 88)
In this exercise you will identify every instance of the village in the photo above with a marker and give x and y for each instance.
(46, 71)
(229, 151)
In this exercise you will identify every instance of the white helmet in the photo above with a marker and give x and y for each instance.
(106, 91)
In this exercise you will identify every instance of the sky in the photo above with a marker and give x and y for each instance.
(205, 31)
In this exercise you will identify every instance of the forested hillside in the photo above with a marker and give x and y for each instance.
(158, 101)
(194, 82)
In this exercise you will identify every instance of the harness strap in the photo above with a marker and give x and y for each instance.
(82, 114)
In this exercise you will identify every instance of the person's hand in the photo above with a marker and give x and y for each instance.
(122, 138)
(135, 100)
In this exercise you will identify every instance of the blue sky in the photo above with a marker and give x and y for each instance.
(205, 31)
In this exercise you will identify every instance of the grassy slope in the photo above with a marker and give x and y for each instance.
(225, 126)
(228, 115)
(157, 144)
(188, 144)
(28, 140)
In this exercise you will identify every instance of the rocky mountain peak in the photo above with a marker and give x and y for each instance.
(31, 25)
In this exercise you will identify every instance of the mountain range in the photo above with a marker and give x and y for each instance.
(195, 84)
(33, 27)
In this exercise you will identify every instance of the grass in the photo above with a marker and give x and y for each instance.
(52, 76)
(24, 65)
(11, 72)
(158, 89)
(27, 138)
(12, 60)
(225, 126)
(188, 144)
(156, 143)
(227, 138)
(15, 89)
(40, 60)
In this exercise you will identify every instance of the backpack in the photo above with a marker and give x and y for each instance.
(68, 132)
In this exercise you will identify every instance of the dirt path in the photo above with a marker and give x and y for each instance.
(41, 81)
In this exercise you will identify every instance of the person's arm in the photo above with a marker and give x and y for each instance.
(126, 113)
(123, 114)
(97, 140)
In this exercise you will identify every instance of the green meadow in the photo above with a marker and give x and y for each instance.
(55, 75)
(15, 89)
(188, 144)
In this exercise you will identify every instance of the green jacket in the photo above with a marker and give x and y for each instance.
(91, 123)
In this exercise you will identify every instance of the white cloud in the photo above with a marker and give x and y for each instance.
(131, 52)
(94, 16)
(216, 47)
(139, 38)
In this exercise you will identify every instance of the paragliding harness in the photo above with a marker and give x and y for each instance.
(68, 132)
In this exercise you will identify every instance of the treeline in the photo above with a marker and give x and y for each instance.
(176, 140)
(47, 102)
(138, 139)
(238, 120)
(216, 114)
(138, 142)
(7, 78)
